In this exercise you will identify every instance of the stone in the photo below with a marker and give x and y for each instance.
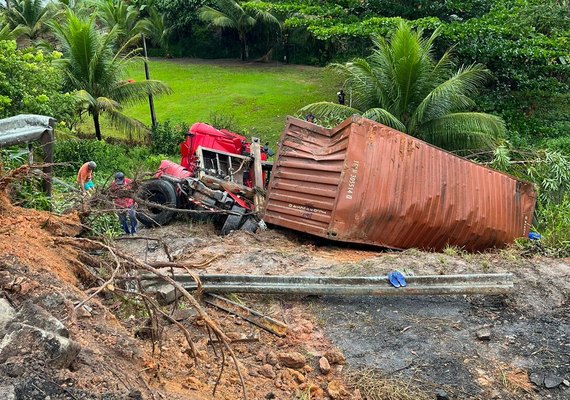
(34, 315)
(335, 356)
(537, 379)
(324, 365)
(8, 393)
(7, 315)
(267, 371)
(336, 390)
(184, 314)
(260, 356)
(552, 381)
(299, 377)
(292, 359)
(441, 395)
(484, 334)
(566, 383)
(271, 358)
(22, 339)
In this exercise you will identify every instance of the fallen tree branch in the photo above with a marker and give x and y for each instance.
(211, 324)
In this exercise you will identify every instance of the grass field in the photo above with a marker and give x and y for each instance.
(258, 96)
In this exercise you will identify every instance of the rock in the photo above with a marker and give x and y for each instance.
(261, 356)
(181, 315)
(271, 358)
(82, 312)
(135, 395)
(484, 334)
(336, 390)
(324, 365)
(22, 339)
(441, 395)
(335, 356)
(31, 314)
(292, 359)
(537, 379)
(7, 314)
(552, 381)
(267, 371)
(299, 377)
(252, 372)
(7, 393)
(565, 382)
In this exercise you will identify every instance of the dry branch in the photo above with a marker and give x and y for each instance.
(211, 324)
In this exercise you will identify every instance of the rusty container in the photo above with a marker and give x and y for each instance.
(363, 182)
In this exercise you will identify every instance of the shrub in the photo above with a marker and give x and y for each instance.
(554, 226)
(166, 137)
(109, 158)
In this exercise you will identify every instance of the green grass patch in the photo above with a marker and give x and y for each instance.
(259, 96)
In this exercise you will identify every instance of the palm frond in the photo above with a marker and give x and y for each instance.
(461, 131)
(216, 18)
(129, 93)
(127, 124)
(384, 117)
(450, 96)
(326, 109)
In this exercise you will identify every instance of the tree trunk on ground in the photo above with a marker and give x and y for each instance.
(97, 126)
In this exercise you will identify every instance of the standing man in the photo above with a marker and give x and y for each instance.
(125, 205)
(340, 97)
(85, 176)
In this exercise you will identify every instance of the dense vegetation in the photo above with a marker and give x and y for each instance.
(69, 59)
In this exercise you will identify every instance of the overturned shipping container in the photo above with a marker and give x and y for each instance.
(363, 182)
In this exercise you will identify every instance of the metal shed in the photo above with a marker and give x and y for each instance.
(363, 182)
(26, 128)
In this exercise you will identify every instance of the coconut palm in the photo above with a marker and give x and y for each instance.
(96, 71)
(402, 85)
(229, 14)
(29, 16)
(122, 15)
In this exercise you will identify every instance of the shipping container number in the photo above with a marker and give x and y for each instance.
(352, 179)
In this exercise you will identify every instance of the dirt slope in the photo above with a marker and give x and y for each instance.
(430, 342)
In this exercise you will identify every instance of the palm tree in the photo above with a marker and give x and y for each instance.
(126, 17)
(9, 33)
(229, 14)
(29, 16)
(96, 70)
(402, 85)
(156, 29)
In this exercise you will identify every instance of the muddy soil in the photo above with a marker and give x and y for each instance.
(472, 347)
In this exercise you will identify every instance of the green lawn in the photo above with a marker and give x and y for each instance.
(259, 96)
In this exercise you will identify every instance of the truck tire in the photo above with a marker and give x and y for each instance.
(250, 224)
(233, 222)
(159, 192)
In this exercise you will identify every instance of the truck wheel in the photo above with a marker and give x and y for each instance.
(250, 224)
(159, 192)
(233, 222)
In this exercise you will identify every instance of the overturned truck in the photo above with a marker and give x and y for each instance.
(363, 182)
(220, 174)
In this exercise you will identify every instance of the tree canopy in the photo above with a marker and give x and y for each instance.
(402, 85)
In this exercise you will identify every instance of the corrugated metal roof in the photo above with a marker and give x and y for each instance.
(24, 128)
(364, 182)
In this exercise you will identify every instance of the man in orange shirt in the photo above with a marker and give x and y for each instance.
(85, 176)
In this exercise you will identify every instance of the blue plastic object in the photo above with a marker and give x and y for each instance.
(534, 236)
(397, 279)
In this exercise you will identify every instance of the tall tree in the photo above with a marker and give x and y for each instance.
(95, 69)
(31, 16)
(229, 14)
(118, 13)
(402, 85)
